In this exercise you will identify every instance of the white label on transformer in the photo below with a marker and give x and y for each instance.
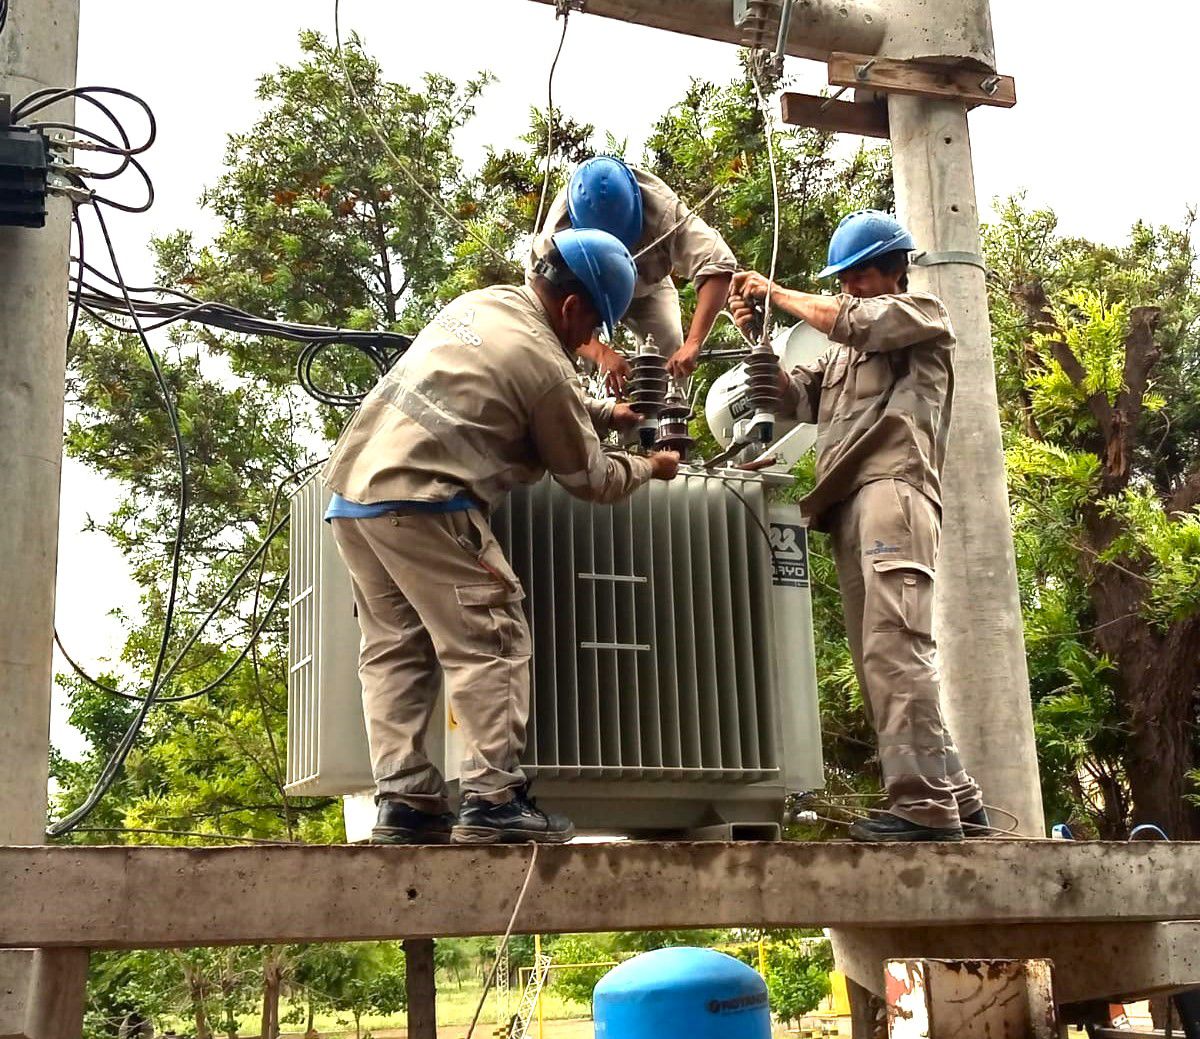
(789, 546)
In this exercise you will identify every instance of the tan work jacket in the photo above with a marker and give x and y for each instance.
(881, 398)
(693, 250)
(485, 398)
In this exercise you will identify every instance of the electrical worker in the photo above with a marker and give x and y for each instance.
(667, 239)
(486, 397)
(881, 400)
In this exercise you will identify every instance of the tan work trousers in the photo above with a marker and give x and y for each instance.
(657, 314)
(438, 600)
(885, 544)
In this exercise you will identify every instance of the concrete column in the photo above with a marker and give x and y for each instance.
(37, 49)
(954, 31)
(420, 980)
(985, 690)
(976, 999)
(56, 997)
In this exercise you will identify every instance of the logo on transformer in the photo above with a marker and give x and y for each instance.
(789, 546)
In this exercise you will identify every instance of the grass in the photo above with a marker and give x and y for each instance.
(455, 1007)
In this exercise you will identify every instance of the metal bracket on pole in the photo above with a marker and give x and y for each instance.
(949, 258)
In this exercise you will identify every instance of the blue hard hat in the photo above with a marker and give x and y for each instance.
(864, 235)
(604, 194)
(604, 268)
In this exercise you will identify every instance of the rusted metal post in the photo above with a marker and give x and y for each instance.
(970, 999)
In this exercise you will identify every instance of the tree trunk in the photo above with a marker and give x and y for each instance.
(200, 1017)
(1158, 675)
(308, 1029)
(272, 983)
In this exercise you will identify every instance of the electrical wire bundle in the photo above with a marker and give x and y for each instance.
(158, 307)
(100, 295)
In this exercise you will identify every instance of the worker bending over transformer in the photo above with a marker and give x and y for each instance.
(486, 397)
(666, 238)
(881, 399)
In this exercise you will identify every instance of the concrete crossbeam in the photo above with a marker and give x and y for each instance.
(818, 27)
(1091, 961)
(151, 897)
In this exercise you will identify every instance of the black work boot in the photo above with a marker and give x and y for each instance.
(887, 827)
(514, 822)
(397, 823)
(977, 824)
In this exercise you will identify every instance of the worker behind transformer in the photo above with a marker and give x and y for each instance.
(881, 399)
(486, 397)
(667, 239)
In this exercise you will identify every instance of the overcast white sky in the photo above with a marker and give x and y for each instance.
(1097, 134)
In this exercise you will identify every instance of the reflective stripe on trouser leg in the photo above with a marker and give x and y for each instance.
(400, 678)
(453, 571)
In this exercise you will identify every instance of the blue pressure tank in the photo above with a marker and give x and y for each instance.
(682, 994)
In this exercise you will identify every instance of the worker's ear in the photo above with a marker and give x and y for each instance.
(579, 319)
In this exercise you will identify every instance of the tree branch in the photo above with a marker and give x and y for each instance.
(1097, 403)
(1141, 355)
(1186, 496)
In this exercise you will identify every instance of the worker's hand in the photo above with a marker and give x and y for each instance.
(616, 370)
(664, 465)
(624, 418)
(683, 361)
(744, 315)
(748, 285)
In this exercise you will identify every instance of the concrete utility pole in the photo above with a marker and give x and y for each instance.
(37, 49)
(981, 637)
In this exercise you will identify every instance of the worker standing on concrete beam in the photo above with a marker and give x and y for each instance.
(881, 399)
(667, 239)
(486, 397)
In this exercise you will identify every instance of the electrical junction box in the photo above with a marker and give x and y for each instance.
(24, 166)
(673, 691)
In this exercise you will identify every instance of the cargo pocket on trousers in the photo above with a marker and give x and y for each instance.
(495, 609)
(908, 596)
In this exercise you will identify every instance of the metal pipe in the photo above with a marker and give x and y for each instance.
(785, 23)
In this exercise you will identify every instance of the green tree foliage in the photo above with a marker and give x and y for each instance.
(576, 983)
(1097, 352)
(357, 978)
(797, 975)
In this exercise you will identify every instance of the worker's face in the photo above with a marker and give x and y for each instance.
(868, 282)
(579, 322)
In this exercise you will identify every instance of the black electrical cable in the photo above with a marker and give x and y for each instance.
(565, 14)
(116, 761)
(757, 522)
(259, 553)
(382, 349)
(33, 103)
(74, 322)
(3, 14)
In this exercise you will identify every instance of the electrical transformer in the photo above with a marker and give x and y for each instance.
(673, 682)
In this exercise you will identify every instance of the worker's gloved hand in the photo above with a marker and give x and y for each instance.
(683, 361)
(624, 418)
(664, 465)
